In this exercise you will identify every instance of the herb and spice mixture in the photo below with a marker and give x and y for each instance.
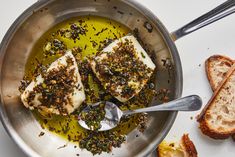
(94, 116)
(123, 68)
(58, 90)
(70, 67)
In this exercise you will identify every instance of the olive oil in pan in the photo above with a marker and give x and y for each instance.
(98, 29)
(85, 35)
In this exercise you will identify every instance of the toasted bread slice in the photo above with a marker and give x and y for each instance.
(217, 120)
(217, 67)
(184, 148)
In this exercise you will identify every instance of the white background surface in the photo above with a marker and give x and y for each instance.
(218, 38)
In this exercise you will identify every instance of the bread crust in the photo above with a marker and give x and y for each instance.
(212, 133)
(228, 60)
(189, 146)
(186, 145)
(201, 118)
(157, 150)
(233, 137)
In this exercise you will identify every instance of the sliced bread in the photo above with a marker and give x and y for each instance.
(183, 148)
(217, 120)
(217, 67)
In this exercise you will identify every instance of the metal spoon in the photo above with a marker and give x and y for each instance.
(113, 113)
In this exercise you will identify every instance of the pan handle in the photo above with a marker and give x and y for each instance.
(219, 12)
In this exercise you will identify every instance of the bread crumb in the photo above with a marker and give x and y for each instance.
(41, 134)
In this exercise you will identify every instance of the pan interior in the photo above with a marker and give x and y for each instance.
(43, 16)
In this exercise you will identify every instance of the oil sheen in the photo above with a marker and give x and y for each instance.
(98, 29)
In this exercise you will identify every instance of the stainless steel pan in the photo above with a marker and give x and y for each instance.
(17, 43)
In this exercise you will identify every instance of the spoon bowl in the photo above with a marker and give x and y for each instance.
(112, 116)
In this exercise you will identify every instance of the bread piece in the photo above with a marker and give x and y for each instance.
(217, 120)
(184, 148)
(217, 67)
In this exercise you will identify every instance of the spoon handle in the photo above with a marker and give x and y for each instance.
(223, 10)
(189, 103)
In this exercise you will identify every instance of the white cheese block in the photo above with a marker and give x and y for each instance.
(75, 98)
(139, 53)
